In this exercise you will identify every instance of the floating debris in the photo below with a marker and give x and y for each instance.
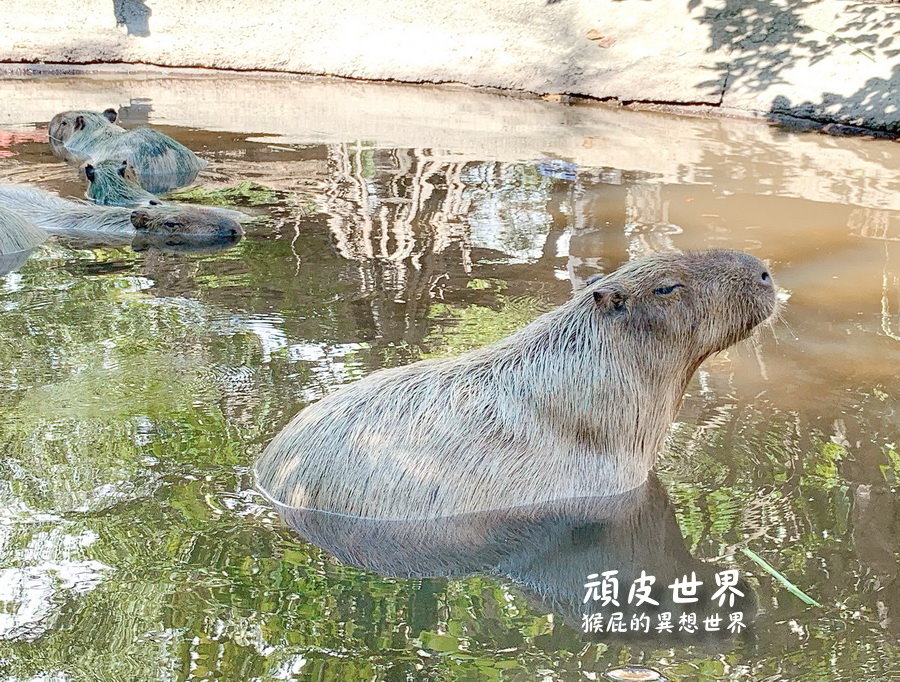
(634, 672)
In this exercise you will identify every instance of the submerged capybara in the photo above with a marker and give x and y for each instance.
(114, 183)
(56, 214)
(18, 238)
(547, 551)
(161, 163)
(577, 403)
(17, 233)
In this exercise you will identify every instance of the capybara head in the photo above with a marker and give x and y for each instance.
(697, 302)
(115, 183)
(177, 219)
(67, 123)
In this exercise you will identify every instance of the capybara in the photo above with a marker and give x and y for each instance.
(548, 551)
(17, 233)
(577, 403)
(18, 238)
(114, 183)
(64, 215)
(161, 163)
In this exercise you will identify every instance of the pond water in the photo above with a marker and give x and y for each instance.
(395, 224)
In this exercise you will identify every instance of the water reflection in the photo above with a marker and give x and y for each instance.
(553, 552)
(137, 387)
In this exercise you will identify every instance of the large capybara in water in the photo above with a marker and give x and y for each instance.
(161, 163)
(56, 214)
(577, 403)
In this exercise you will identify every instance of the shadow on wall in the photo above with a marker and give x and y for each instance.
(872, 106)
(765, 39)
(134, 15)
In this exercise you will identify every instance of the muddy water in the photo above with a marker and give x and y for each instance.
(394, 224)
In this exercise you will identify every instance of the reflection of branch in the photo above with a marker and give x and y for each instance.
(885, 300)
(298, 213)
(391, 211)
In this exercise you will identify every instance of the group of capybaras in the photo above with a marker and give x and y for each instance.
(575, 404)
(126, 170)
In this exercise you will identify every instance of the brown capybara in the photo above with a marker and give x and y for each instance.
(56, 214)
(577, 403)
(17, 233)
(161, 163)
(18, 238)
(114, 183)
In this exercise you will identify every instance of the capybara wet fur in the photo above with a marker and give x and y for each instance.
(161, 163)
(17, 233)
(114, 183)
(56, 214)
(576, 404)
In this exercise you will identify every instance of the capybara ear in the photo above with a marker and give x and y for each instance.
(79, 122)
(122, 168)
(611, 297)
(140, 220)
(111, 115)
(89, 173)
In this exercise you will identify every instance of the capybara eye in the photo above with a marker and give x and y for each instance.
(662, 291)
(171, 226)
(765, 277)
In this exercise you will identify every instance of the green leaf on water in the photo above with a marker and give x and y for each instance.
(793, 589)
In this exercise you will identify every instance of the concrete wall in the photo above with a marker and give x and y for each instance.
(829, 61)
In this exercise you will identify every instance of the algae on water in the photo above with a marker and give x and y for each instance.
(245, 194)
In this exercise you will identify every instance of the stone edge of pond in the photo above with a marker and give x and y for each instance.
(11, 70)
(825, 63)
